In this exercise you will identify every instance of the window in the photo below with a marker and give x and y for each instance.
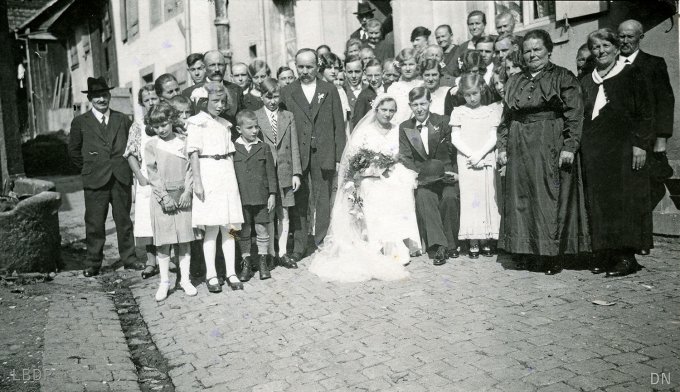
(527, 13)
(252, 49)
(146, 74)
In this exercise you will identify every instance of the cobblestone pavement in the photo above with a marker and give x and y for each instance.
(85, 348)
(465, 326)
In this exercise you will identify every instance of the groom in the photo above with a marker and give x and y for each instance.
(320, 126)
(425, 147)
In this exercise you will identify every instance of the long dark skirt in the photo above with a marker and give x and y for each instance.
(617, 196)
(543, 205)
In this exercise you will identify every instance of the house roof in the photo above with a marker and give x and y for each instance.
(19, 11)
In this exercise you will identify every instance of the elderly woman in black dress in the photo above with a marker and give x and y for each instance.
(543, 215)
(617, 135)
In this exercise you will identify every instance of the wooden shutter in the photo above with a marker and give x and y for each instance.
(132, 16)
(575, 9)
(123, 20)
(156, 12)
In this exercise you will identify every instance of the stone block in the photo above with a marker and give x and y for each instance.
(29, 235)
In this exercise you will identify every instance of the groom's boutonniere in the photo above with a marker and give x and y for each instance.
(435, 128)
(320, 97)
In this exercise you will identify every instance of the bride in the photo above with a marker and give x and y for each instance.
(373, 227)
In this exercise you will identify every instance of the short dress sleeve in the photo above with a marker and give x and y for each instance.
(194, 139)
(496, 113)
(134, 143)
(455, 116)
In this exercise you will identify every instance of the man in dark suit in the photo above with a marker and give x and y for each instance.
(319, 121)
(425, 147)
(364, 13)
(656, 74)
(215, 68)
(97, 143)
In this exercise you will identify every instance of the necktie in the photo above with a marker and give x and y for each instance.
(627, 61)
(103, 124)
(419, 127)
(274, 125)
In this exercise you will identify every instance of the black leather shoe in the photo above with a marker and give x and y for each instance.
(597, 269)
(213, 288)
(264, 268)
(440, 256)
(272, 262)
(238, 285)
(287, 262)
(453, 253)
(553, 269)
(487, 252)
(626, 266)
(473, 255)
(246, 270)
(90, 272)
(296, 257)
(149, 271)
(134, 265)
(643, 252)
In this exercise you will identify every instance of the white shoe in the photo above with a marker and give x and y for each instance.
(162, 292)
(188, 288)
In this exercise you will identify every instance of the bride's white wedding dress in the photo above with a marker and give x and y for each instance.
(379, 245)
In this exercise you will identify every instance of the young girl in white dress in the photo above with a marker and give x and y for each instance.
(217, 205)
(474, 136)
(169, 172)
(134, 151)
(410, 72)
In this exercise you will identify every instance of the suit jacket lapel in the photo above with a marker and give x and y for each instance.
(319, 96)
(299, 97)
(95, 125)
(282, 127)
(417, 143)
(264, 124)
(433, 136)
(112, 129)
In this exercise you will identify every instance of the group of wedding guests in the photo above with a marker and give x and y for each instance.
(480, 146)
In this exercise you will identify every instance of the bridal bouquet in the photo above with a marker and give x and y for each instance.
(368, 163)
(363, 164)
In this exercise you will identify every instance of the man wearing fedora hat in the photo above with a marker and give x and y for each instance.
(364, 13)
(97, 142)
(425, 147)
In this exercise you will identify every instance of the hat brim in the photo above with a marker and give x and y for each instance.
(371, 11)
(97, 90)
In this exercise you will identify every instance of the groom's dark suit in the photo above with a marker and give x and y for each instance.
(321, 137)
(438, 204)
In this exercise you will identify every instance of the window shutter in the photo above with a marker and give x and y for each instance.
(132, 18)
(156, 12)
(123, 20)
(575, 9)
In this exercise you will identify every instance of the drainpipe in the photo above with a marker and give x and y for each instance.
(222, 27)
